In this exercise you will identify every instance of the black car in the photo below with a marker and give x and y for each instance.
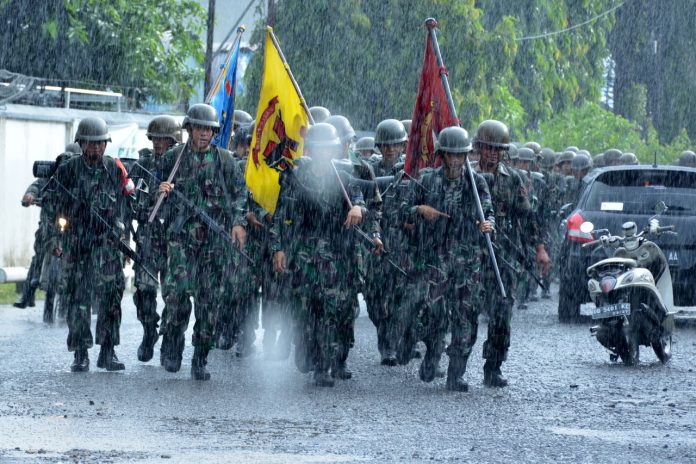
(618, 194)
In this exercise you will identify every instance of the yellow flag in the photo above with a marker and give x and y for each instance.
(281, 123)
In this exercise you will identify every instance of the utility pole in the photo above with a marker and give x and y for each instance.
(209, 46)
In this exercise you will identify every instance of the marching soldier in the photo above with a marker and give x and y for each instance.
(321, 254)
(444, 210)
(513, 216)
(150, 238)
(209, 178)
(89, 194)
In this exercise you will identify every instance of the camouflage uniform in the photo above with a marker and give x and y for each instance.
(322, 261)
(514, 219)
(151, 244)
(92, 271)
(197, 257)
(450, 250)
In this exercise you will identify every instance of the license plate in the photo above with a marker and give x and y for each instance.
(612, 310)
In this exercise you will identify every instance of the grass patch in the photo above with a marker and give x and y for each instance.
(8, 294)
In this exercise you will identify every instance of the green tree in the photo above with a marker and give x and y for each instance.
(144, 44)
(652, 46)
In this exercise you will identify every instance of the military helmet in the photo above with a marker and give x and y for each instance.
(92, 129)
(389, 132)
(567, 155)
(242, 118)
(548, 158)
(365, 144)
(629, 159)
(242, 136)
(612, 156)
(598, 161)
(584, 152)
(525, 154)
(73, 148)
(453, 140)
(202, 115)
(343, 128)
(493, 133)
(512, 152)
(322, 136)
(687, 158)
(164, 127)
(536, 148)
(319, 114)
(580, 162)
(572, 148)
(407, 125)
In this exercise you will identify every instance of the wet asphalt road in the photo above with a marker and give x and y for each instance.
(566, 403)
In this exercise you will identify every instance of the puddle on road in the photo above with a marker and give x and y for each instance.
(630, 435)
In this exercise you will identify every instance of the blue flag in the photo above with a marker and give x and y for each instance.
(221, 97)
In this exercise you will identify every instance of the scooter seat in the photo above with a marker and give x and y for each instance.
(630, 263)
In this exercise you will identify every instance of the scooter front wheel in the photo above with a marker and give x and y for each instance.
(629, 350)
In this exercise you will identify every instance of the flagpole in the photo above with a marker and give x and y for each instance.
(292, 78)
(431, 24)
(209, 97)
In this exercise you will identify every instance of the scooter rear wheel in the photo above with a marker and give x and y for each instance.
(663, 348)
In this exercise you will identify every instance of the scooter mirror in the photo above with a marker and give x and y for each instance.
(660, 208)
(586, 227)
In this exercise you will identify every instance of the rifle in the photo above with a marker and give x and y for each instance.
(203, 216)
(359, 230)
(123, 247)
(521, 258)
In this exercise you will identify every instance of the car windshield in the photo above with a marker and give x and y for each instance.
(638, 191)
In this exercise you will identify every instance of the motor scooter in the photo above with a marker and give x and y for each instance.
(632, 292)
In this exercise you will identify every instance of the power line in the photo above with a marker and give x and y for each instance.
(584, 23)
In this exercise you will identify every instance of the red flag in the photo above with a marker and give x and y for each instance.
(431, 114)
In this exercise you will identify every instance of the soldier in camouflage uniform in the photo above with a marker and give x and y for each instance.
(208, 177)
(321, 254)
(514, 219)
(444, 210)
(580, 166)
(384, 287)
(150, 237)
(32, 196)
(92, 271)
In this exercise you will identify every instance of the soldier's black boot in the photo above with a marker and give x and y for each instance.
(198, 363)
(81, 361)
(322, 377)
(429, 366)
(48, 316)
(108, 359)
(340, 370)
(146, 350)
(175, 351)
(455, 371)
(27, 296)
(492, 376)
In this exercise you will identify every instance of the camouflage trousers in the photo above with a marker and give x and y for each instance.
(92, 277)
(324, 314)
(498, 309)
(193, 271)
(154, 254)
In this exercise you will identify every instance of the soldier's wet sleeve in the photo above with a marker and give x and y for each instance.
(35, 187)
(525, 215)
(281, 215)
(486, 199)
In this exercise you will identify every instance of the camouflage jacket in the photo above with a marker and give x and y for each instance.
(213, 183)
